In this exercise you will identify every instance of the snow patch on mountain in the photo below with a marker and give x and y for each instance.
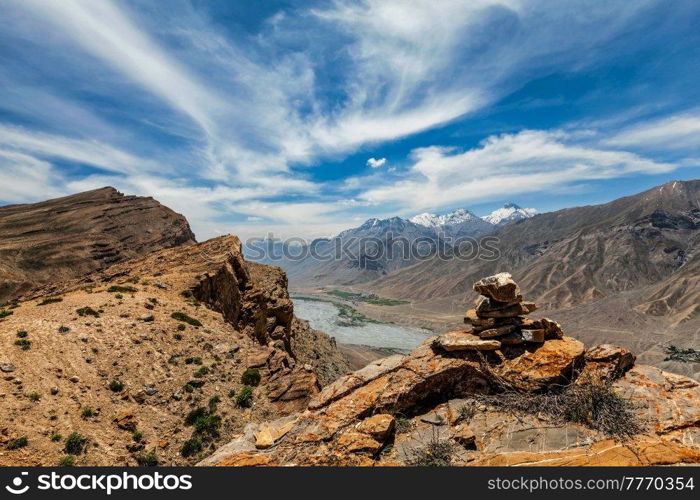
(509, 213)
(432, 220)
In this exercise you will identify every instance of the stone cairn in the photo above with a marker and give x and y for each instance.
(498, 319)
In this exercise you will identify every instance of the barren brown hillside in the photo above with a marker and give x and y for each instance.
(122, 356)
(70, 236)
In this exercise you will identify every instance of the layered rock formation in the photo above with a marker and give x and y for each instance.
(68, 237)
(448, 403)
(144, 343)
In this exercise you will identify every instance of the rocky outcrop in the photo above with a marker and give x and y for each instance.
(147, 342)
(68, 237)
(255, 300)
(451, 391)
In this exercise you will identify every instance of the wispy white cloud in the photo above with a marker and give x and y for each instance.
(675, 132)
(505, 165)
(23, 177)
(86, 151)
(103, 29)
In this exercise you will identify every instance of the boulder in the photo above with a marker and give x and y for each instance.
(346, 384)
(552, 329)
(487, 308)
(463, 434)
(514, 338)
(471, 318)
(668, 402)
(461, 340)
(535, 336)
(269, 434)
(604, 363)
(499, 287)
(379, 426)
(498, 331)
(553, 363)
(358, 442)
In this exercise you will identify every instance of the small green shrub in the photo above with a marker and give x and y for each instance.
(67, 461)
(18, 443)
(50, 300)
(75, 443)
(188, 388)
(21, 333)
(116, 386)
(251, 377)
(403, 425)
(191, 447)
(63, 329)
(24, 344)
(34, 397)
(4, 313)
(87, 412)
(467, 411)
(208, 425)
(245, 397)
(149, 459)
(121, 289)
(177, 336)
(87, 311)
(195, 361)
(213, 401)
(181, 316)
(181, 327)
(204, 421)
(436, 453)
(688, 355)
(56, 437)
(137, 436)
(203, 370)
(193, 415)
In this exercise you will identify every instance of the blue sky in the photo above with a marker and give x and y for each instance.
(257, 117)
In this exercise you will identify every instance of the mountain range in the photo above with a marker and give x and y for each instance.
(369, 252)
(508, 213)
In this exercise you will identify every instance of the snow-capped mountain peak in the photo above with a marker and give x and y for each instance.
(508, 213)
(431, 220)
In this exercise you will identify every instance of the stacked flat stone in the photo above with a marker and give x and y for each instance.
(498, 319)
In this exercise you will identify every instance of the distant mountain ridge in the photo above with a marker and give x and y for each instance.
(427, 231)
(581, 254)
(508, 213)
(431, 220)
